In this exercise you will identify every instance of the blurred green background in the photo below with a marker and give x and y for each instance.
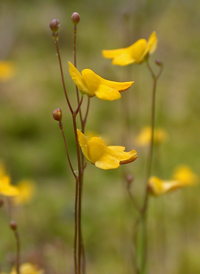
(31, 144)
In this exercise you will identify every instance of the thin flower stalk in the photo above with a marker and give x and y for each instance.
(143, 216)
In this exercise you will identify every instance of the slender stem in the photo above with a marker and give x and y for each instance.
(78, 194)
(67, 152)
(18, 251)
(76, 226)
(149, 167)
(136, 205)
(86, 114)
(62, 77)
(77, 93)
(13, 227)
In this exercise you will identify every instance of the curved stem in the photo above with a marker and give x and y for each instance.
(62, 77)
(66, 148)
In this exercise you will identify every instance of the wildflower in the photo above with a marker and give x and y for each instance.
(27, 268)
(26, 192)
(159, 187)
(185, 175)
(92, 84)
(135, 53)
(6, 70)
(111, 157)
(144, 137)
(6, 188)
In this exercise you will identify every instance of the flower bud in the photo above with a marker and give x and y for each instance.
(129, 180)
(158, 63)
(13, 225)
(54, 25)
(57, 114)
(75, 18)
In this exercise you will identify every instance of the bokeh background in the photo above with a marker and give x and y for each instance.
(31, 144)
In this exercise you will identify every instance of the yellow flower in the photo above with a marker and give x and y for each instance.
(159, 187)
(185, 175)
(26, 192)
(111, 157)
(5, 188)
(27, 268)
(6, 70)
(144, 137)
(135, 53)
(92, 84)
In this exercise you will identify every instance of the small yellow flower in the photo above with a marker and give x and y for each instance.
(111, 157)
(144, 137)
(135, 53)
(27, 268)
(159, 187)
(92, 84)
(26, 192)
(6, 70)
(6, 188)
(185, 175)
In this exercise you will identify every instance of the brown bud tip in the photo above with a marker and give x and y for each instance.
(158, 63)
(13, 225)
(75, 18)
(1, 203)
(54, 25)
(57, 114)
(129, 178)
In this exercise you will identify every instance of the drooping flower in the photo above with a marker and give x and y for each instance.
(159, 187)
(135, 53)
(102, 156)
(185, 175)
(92, 84)
(6, 70)
(6, 188)
(27, 268)
(144, 137)
(26, 192)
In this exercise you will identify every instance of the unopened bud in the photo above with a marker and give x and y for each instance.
(54, 25)
(57, 114)
(158, 63)
(13, 225)
(75, 18)
(129, 178)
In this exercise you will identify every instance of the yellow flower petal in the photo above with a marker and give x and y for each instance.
(159, 187)
(185, 175)
(104, 157)
(83, 142)
(27, 268)
(144, 138)
(6, 189)
(92, 84)
(134, 53)
(78, 80)
(6, 70)
(152, 43)
(26, 192)
(107, 93)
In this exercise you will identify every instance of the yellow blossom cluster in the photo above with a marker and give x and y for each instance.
(21, 193)
(26, 268)
(183, 176)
